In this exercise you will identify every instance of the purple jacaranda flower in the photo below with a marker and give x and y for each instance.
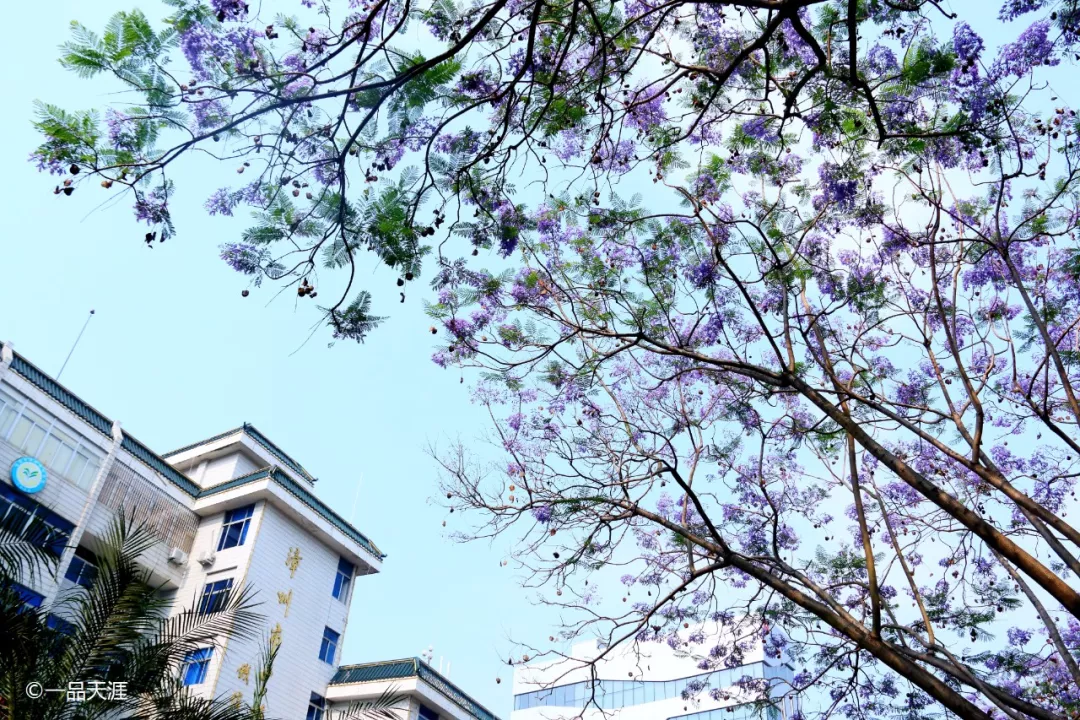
(209, 114)
(152, 207)
(229, 9)
(477, 84)
(1013, 9)
(836, 188)
(882, 59)
(1031, 49)
(221, 202)
(243, 258)
(758, 129)
(646, 110)
(703, 275)
(967, 44)
(459, 328)
(47, 164)
(1018, 637)
(121, 129)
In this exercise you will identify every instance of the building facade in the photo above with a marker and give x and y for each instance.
(658, 681)
(230, 511)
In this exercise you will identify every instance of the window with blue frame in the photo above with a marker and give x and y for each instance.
(83, 568)
(234, 532)
(195, 666)
(214, 596)
(343, 579)
(427, 713)
(30, 598)
(328, 648)
(316, 707)
(34, 522)
(59, 624)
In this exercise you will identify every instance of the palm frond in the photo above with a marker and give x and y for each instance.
(25, 548)
(118, 629)
(262, 677)
(387, 706)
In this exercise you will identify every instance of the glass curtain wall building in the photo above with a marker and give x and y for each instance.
(664, 684)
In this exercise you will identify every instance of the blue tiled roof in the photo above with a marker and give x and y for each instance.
(154, 461)
(61, 394)
(305, 496)
(369, 672)
(276, 451)
(204, 441)
(411, 667)
(252, 432)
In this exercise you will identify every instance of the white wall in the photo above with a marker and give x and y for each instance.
(225, 468)
(298, 671)
(66, 499)
(228, 563)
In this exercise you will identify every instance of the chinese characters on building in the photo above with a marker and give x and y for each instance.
(292, 561)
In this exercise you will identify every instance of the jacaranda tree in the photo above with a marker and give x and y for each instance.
(785, 387)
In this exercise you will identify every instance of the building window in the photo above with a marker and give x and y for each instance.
(196, 664)
(33, 521)
(60, 625)
(343, 580)
(33, 434)
(236, 526)
(316, 707)
(83, 568)
(427, 713)
(9, 409)
(28, 431)
(30, 598)
(328, 648)
(214, 596)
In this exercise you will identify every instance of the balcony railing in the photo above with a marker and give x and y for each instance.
(126, 491)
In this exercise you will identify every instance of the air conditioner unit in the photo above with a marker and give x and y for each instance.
(207, 558)
(177, 556)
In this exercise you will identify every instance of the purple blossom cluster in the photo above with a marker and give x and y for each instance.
(244, 258)
(122, 130)
(836, 188)
(152, 208)
(1031, 49)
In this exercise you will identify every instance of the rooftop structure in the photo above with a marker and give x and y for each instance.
(412, 676)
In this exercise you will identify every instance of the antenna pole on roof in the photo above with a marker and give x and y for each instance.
(75, 345)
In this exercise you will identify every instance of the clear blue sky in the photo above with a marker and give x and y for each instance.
(176, 355)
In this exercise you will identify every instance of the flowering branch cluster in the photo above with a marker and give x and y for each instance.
(330, 108)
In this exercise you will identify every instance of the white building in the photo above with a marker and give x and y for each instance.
(231, 510)
(653, 681)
